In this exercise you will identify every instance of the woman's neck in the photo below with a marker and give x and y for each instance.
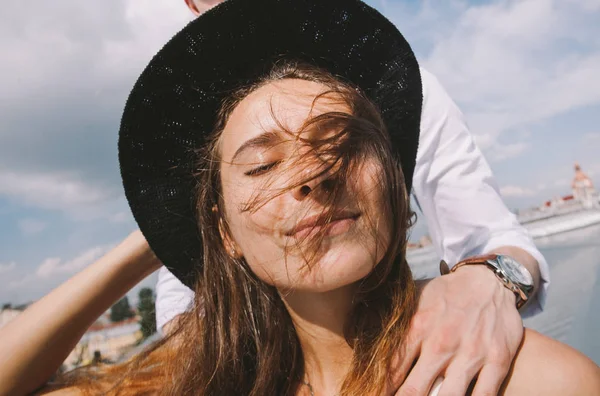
(319, 319)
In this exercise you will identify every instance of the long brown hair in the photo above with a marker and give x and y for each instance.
(238, 338)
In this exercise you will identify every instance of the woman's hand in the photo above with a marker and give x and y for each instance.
(466, 327)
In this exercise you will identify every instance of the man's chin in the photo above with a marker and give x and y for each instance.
(204, 5)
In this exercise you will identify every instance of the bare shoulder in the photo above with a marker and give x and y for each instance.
(547, 367)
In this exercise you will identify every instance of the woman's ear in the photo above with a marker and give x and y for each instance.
(230, 246)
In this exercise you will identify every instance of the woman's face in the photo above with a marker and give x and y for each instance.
(259, 159)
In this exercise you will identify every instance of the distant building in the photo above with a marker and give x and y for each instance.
(424, 241)
(109, 340)
(579, 209)
(104, 340)
(583, 188)
(412, 245)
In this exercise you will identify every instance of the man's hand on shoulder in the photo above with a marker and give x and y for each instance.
(466, 327)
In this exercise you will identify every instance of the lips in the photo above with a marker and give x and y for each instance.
(317, 221)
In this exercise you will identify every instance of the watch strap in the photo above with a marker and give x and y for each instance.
(483, 260)
(474, 260)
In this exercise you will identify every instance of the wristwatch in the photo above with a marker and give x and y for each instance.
(513, 275)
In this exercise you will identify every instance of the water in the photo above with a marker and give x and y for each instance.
(571, 313)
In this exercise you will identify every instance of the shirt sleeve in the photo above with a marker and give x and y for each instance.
(458, 194)
(172, 298)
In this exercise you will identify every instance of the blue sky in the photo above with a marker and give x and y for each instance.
(524, 72)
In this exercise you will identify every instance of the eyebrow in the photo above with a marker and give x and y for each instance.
(267, 138)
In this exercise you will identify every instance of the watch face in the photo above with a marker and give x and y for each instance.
(515, 271)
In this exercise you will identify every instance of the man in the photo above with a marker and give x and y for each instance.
(467, 325)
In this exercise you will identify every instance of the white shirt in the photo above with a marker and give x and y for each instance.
(456, 192)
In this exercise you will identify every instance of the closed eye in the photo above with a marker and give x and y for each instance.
(261, 169)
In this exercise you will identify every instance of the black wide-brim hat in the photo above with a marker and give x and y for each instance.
(174, 104)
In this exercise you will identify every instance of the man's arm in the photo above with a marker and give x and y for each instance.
(459, 197)
(172, 299)
(466, 325)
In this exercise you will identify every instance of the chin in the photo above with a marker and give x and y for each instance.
(343, 261)
(338, 267)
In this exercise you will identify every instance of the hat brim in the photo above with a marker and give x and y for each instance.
(173, 105)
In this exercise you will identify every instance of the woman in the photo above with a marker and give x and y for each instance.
(274, 181)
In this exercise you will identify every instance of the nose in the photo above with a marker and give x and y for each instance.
(314, 179)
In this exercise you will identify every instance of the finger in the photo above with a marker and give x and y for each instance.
(422, 376)
(490, 380)
(404, 362)
(458, 376)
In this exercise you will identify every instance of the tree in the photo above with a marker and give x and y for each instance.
(7, 306)
(146, 312)
(121, 310)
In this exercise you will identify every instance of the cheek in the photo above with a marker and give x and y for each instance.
(254, 209)
(248, 221)
(368, 185)
(256, 232)
(255, 237)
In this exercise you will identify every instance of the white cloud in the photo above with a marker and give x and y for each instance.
(57, 191)
(17, 283)
(591, 138)
(589, 5)
(49, 191)
(48, 267)
(54, 265)
(500, 152)
(5, 268)
(517, 191)
(562, 182)
(82, 44)
(70, 68)
(513, 63)
(31, 226)
(592, 170)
